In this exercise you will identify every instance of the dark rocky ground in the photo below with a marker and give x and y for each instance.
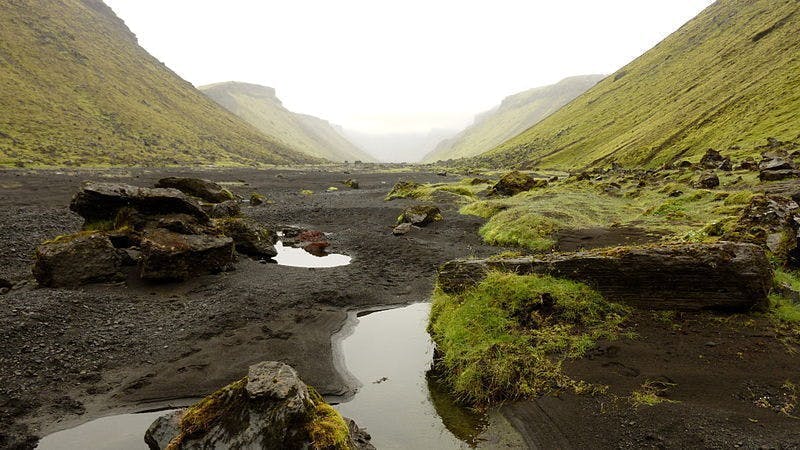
(71, 355)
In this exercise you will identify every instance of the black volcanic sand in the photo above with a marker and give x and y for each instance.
(68, 356)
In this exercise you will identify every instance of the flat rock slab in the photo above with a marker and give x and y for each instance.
(76, 260)
(101, 201)
(686, 277)
(197, 187)
(172, 256)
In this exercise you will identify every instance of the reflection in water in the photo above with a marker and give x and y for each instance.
(390, 353)
(464, 423)
(121, 432)
(297, 257)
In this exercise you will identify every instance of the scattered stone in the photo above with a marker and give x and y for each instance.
(708, 180)
(726, 165)
(515, 182)
(749, 163)
(257, 199)
(686, 277)
(270, 408)
(403, 228)
(768, 221)
(775, 164)
(169, 256)
(78, 259)
(250, 238)
(196, 187)
(776, 175)
(420, 215)
(442, 173)
(351, 183)
(712, 159)
(676, 193)
(102, 201)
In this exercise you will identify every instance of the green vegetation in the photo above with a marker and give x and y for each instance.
(77, 90)
(259, 106)
(514, 115)
(507, 337)
(651, 394)
(208, 412)
(464, 190)
(782, 308)
(727, 79)
(326, 428)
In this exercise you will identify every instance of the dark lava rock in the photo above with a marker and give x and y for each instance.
(78, 259)
(708, 180)
(101, 201)
(351, 183)
(250, 238)
(420, 215)
(171, 256)
(229, 208)
(257, 199)
(775, 164)
(769, 221)
(180, 223)
(196, 187)
(775, 175)
(712, 159)
(726, 165)
(515, 182)
(686, 277)
(748, 164)
(270, 408)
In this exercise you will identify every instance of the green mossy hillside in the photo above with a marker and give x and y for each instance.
(507, 337)
(514, 115)
(726, 79)
(76, 89)
(260, 107)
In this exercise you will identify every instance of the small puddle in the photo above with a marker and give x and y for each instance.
(120, 432)
(297, 257)
(390, 352)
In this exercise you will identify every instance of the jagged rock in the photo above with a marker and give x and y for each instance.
(748, 164)
(102, 201)
(420, 215)
(775, 164)
(403, 228)
(257, 199)
(712, 159)
(229, 208)
(171, 256)
(708, 180)
(196, 187)
(769, 221)
(687, 277)
(515, 182)
(776, 175)
(78, 259)
(351, 183)
(270, 408)
(726, 165)
(249, 237)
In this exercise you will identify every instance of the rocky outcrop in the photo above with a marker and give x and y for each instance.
(75, 260)
(270, 408)
(170, 256)
(775, 166)
(249, 237)
(714, 160)
(687, 277)
(420, 215)
(515, 182)
(228, 208)
(102, 201)
(196, 187)
(708, 180)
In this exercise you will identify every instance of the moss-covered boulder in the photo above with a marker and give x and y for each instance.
(257, 199)
(197, 187)
(81, 258)
(351, 183)
(250, 237)
(270, 408)
(515, 182)
(102, 201)
(420, 215)
(170, 256)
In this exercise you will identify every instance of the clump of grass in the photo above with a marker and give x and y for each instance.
(783, 309)
(651, 393)
(306, 192)
(209, 411)
(409, 189)
(327, 429)
(507, 337)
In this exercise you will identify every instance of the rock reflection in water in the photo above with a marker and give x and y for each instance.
(298, 257)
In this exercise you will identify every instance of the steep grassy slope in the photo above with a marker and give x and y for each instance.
(76, 89)
(259, 106)
(728, 78)
(514, 115)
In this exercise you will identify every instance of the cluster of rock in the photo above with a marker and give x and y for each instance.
(416, 216)
(685, 277)
(270, 408)
(182, 228)
(773, 222)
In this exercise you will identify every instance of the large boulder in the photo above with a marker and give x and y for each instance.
(270, 408)
(250, 238)
(688, 277)
(170, 256)
(420, 215)
(197, 187)
(78, 259)
(101, 201)
(708, 180)
(776, 175)
(515, 182)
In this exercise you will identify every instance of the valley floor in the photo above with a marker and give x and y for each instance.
(72, 355)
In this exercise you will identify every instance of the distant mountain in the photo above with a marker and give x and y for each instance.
(514, 115)
(399, 147)
(727, 79)
(259, 106)
(77, 89)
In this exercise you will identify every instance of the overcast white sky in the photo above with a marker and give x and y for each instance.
(400, 66)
